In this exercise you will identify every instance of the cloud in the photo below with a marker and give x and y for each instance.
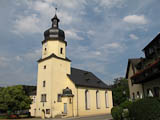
(72, 34)
(27, 24)
(114, 47)
(69, 12)
(32, 55)
(3, 61)
(96, 33)
(111, 3)
(135, 19)
(133, 36)
(18, 58)
(97, 10)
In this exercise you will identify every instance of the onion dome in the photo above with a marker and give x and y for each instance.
(54, 33)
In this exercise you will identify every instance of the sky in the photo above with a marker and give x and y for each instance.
(101, 35)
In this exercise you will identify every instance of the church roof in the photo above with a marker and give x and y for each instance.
(86, 79)
(54, 33)
(55, 56)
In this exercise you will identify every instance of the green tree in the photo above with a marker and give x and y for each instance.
(120, 90)
(13, 99)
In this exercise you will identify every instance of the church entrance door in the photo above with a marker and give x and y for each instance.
(65, 108)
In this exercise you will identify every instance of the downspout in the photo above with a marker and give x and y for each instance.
(77, 102)
(143, 90)
(72, 108)
(51, 88)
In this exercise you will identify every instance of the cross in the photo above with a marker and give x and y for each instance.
(55, 9)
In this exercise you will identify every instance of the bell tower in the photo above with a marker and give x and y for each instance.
(54, 40)
(53, 69)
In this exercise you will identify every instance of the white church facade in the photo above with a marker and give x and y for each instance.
(63, 91)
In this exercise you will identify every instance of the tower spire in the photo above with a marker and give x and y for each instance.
(55, 10)
(55, 20)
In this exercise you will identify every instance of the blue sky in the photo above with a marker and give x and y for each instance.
(101, 35)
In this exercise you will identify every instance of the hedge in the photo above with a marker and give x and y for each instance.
(145, 109)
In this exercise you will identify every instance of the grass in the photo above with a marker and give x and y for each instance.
(3, 116)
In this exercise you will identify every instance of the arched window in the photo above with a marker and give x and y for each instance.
(106, 99)
(97, 99)
(87, 101)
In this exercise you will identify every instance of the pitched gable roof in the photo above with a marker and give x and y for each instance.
(157, 38)
(134, 62)
(86, 79)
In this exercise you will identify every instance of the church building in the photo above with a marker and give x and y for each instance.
(64, 91)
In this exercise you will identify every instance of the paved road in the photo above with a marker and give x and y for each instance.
(100, 117)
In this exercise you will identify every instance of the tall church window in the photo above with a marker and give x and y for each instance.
(106, 99)
(97, 99)
(43, 97)
(87, 100)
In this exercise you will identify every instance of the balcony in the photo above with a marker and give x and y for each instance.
(151, 72)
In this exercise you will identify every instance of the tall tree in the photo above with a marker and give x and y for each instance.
(13, 99)
(120, 90)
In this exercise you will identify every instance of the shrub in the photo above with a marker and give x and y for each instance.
(145, 109)
(117, 113)
(126, 104)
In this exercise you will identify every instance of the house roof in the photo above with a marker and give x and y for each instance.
(86, 79)
(134, 62)
(149, 44)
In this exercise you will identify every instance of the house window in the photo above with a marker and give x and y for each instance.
(44, 67)
(87, 103)
(59, 98)
(44, 83)
(133, 96)
(47, 111)
(138, 95)
(43, 97)
(156, 91)
(151, 50)
(97, 99)
(61, 50)
(149, 93)
(106, 99)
